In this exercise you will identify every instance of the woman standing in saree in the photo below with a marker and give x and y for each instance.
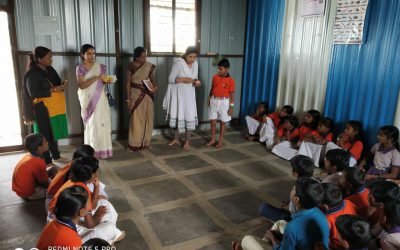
(95, 111)
(140, 100)
(43, 101)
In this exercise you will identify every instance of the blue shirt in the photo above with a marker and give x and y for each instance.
(306, 228)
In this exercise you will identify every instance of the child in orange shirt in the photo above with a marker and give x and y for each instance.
(64, 174)
(221, 101)
(30, 177)
(350, 140)
(255, 121)
(278, 118)
(286, 137)
(314, 144)
(333, 205)
(272, 123)
(101, 221)
(311, 121)
(323, 134)
(352, 182)
(62, 232)
(289, 150)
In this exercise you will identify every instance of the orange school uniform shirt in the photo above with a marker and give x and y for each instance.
(58, 180)
(328, 137)
(360, 200)
(222, 86)
(346, 207)
(276, 119)
(355, 149)
(59, 234)
(303, 131)
(29, 172)
(293, 135)
(68, 184)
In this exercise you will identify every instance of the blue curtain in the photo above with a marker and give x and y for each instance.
(364, 80)
(262, 51)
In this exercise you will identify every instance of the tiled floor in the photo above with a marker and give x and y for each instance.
(169, 198)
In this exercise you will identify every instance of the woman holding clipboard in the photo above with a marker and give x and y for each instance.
(140, 86)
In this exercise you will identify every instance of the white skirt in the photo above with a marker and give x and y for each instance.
(252, 125)
(180, 104)
(106, 229)
(267, 132)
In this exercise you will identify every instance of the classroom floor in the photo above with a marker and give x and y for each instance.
(169, 198)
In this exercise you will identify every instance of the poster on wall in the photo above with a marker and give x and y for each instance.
(313, 8)
(349, 21)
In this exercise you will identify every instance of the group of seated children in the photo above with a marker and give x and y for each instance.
(77, 205)
(339, 212)
(282, 133)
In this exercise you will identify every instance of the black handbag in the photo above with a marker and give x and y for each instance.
(111, 100)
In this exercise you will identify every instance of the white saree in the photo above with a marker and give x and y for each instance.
(95, 112)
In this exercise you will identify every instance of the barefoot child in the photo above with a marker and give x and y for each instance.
(221, 101)
(272, 123)
(254, 122)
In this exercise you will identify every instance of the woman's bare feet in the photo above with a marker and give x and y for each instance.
(174, 142)
(219, 144)
(186, 146)
(210, 143)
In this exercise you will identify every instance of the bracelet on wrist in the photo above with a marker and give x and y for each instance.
(232, 105)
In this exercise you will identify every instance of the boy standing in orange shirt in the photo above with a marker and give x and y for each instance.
(221, 100)
(30, 178)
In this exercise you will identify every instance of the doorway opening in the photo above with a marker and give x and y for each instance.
(10, 128)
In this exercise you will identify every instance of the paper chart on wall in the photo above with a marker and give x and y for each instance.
(349, 21)
(313, 8)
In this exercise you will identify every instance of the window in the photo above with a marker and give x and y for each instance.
(171, 25)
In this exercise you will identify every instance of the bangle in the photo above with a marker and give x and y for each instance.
(127, 100)
(231, 105)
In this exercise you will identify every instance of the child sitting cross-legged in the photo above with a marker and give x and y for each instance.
(289, 148)
(101, 220)
(385, 155)
(272, 123)
(254, 122)
(314, 145)
(307, 227)
(31, 175)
